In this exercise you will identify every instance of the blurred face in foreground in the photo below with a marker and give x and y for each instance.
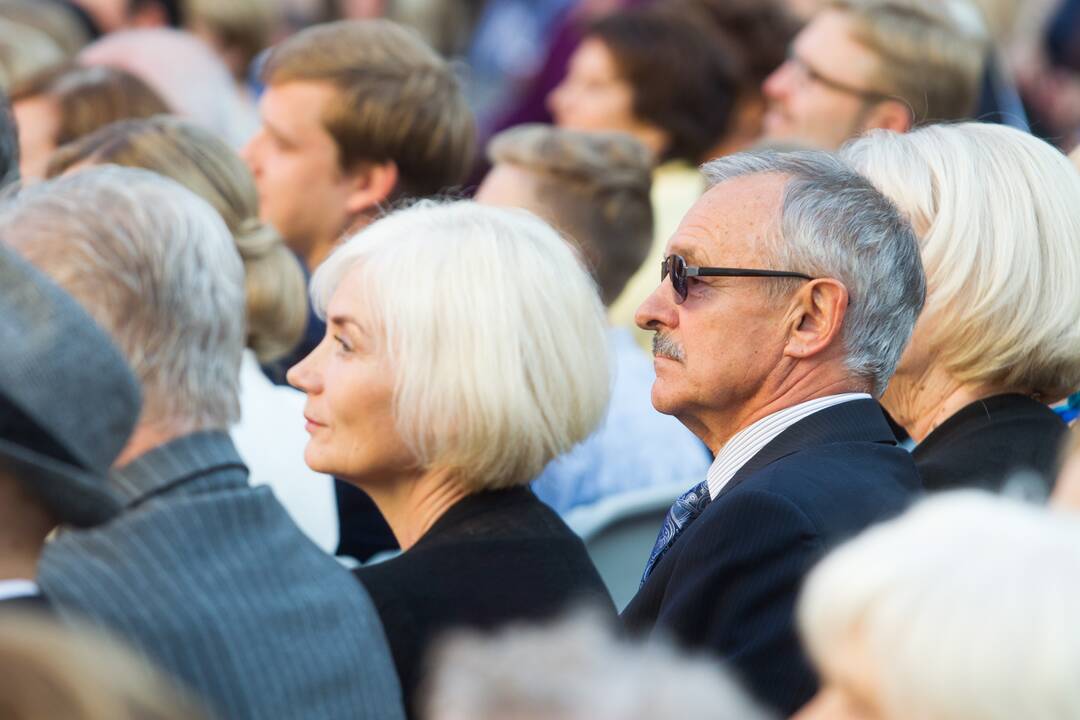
(38, 121)
(850, 688)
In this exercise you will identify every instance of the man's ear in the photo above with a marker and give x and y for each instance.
(892, 115)
(370, 184)
(817, 317)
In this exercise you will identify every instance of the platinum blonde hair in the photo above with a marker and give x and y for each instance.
(833, 223)
(997, 214)
(495, 332)
(156, 267)
(964, 607)
(575, 669)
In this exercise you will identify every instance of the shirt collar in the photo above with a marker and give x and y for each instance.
(746, 443)
(17, 588)
(185, 457)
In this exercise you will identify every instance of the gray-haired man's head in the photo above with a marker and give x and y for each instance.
(157, 268)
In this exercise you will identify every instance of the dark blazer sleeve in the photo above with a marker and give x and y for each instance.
(733, 590)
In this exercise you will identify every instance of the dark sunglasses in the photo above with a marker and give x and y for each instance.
(676, 267)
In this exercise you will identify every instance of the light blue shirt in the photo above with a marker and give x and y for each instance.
(634, 447)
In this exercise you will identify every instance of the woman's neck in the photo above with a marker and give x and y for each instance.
(411, 506)
(921, 403)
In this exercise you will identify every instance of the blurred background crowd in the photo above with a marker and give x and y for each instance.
(221, 219)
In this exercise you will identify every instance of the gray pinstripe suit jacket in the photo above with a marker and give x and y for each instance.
(212, 579)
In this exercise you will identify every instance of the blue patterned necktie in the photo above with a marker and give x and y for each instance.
(686, 508)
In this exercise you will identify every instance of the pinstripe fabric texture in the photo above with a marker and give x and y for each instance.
(212, 579)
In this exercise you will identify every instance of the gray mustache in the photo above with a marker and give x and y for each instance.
(663, 346)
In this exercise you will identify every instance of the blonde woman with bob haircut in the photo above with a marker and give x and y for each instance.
(274, 286)
(997, 217)
(964, 608)
(464, 350)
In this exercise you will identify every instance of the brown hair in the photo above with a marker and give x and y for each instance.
(931, 53)
(88, 98)
(275, 286)
(244, 27)
(594, 187)
(681, 74)
(397, 100)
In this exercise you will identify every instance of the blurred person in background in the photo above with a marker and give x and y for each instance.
(201, 572)
(996, 213)
(442, 397)
(576, 669)
(101, 17)
(50, 17)
(269, 436)
(594, 188)
(964, 607)
(184, 71)
(9, 146)
(25, 52)
(864, 64)
(76, 673)
(356, 116)
(668, 82)
(784, 303)
(62, 106)
(54, 453)
(237, 30)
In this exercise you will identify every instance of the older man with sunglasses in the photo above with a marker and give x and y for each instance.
(786, 298)
(863, 64)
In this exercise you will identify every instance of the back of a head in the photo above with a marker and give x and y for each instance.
(497, 337)
(156, 267)
(594, 188)
(184, 71)
(25, 52)
(964, 607)
(835, 224)
(50, 671)
(397, 100)
(242, 28)
(931, 53)
(997, 217)
(682, 76)
(88, 98)
(274, 280)
(56, 20)
(9, 145)
(575, 669)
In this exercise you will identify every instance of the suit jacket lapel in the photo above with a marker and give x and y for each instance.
(851, 421)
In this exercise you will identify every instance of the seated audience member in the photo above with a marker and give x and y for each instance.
(237, 31)
(184, 71)
(269, 436)
(356, 115)
(575, 669)
(206, 575)
(964, 607)
(594, 188)
(50, 671)
(669, 83)
(60, 107)
(442, 397)
(786, 298)
(996, 213)
(9, 147)
(68, 403)
(865, 64)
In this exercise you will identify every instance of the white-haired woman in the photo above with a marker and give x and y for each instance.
(997, 213)
(964, 608)
(464, 350)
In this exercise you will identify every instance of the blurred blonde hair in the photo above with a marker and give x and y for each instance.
(197, 159)
(50, 671)
(243, 27)
(53, 19)
(997, 215)
(25, 52)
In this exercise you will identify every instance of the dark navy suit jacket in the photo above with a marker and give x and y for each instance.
(729, 583)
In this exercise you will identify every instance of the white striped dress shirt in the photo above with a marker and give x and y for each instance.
(746, 443)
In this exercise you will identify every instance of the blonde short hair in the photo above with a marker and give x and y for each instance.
(931, 53)
(495, 332)
(997, 215)
(25, 52)
(397, 100)
(964, 607)
(274, 283)
(51, 671)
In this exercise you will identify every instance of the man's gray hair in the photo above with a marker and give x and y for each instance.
(155, 265)
(833, 223)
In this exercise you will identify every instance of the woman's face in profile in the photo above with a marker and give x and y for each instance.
(350, 391)
(593, 96)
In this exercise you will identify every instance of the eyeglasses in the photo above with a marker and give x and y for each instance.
(805, 74)
(676, 267)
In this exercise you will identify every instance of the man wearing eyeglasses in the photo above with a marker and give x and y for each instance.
(786, 298)
(864, 64)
